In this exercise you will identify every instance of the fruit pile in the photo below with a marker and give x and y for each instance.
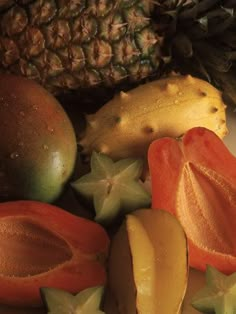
(128, 208)
(135, 246)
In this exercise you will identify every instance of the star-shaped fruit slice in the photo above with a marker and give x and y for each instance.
(60, 301)
(218, 295)
(114, 187)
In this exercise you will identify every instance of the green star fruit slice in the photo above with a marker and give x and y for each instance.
(59, 301)
(113, 187)
(218, 295)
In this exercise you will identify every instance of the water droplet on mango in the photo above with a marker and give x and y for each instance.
(14, 155)
(50, 129)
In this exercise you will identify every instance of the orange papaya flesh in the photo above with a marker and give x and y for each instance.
(42, 245)
(195, 179)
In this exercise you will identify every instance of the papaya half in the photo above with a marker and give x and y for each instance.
(45, 246)
(194, 178)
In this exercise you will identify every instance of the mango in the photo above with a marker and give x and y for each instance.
(37, 142)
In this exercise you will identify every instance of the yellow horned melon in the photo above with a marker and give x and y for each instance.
(126, 125)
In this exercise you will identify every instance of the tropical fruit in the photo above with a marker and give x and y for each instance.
(37, 145)
(126, 125)
(78, 44)
(143, 264)
(73, 44)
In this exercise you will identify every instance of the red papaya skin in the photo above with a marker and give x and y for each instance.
(45, 246)
(195, 179)
(37, 145)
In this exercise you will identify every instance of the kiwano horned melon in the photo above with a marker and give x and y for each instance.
(126, 125)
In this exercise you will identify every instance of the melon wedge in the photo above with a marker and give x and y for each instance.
(148, 264)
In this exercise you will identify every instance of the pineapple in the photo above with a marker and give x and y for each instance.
(201, 38)
(71, 44)
(76, 44)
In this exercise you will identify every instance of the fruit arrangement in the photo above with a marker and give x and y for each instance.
(128, 208)
(135, 241)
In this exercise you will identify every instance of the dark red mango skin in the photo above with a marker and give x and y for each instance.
(166, 158)
(74, 275)
(37, 144)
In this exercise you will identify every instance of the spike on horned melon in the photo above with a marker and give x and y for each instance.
(126, 125)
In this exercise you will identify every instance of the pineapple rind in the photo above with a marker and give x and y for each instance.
(73, 44)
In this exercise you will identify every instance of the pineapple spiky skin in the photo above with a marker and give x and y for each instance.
(89, 44)
(126, 125)
(74, 44)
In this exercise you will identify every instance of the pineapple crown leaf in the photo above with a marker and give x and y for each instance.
(232, 55)
(230, 11)
(214, 57)
(202, 69)
(227, 82)
(170, 4)
(182, 45)
(200, 18)
(203, 22)
(197, 7)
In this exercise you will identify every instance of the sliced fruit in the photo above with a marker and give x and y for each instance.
(43, 245)
(132, 268)
(218, 295)
(195, 179)
(196, 281)
(145, 276)
(113, 187)
(169, 241)
(60, 301)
